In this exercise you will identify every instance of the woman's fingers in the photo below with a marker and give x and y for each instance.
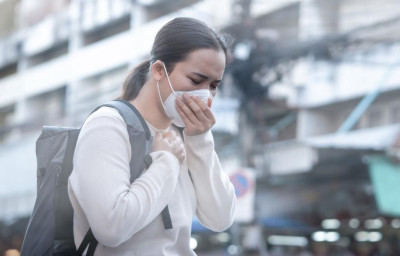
(195, 109)
(186, 113)
(196, 106)
(175, 143)
(201, 111)
(197, 117)
(206, 111)
(185, 118)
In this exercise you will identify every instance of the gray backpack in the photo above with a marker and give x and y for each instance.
(50, 228)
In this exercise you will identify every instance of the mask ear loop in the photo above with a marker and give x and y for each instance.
(169, 82)
(159, 95)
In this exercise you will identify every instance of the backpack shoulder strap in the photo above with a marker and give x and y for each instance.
(125, 109)
(139, 135)
(137, 121)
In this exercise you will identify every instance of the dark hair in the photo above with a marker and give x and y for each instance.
(172, 44)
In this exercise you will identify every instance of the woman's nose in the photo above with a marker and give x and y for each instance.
(205, 86)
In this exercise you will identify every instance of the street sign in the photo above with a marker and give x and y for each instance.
(243, 180)
(241, 183)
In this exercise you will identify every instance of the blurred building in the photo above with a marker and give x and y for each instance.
(320, 121)
(311, 101)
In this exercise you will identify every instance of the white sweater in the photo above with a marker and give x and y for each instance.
(125, 218)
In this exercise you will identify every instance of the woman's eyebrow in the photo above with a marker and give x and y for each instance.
(205, 77)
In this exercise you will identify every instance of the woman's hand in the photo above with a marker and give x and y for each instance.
(197, 117)
(170, 142)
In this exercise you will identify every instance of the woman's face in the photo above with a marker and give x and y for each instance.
(202, 69)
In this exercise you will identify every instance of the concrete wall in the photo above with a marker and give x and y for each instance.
(9, 21)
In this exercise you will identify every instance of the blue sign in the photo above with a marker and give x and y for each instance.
(241, 183)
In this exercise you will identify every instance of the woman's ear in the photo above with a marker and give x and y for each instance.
(157, 70)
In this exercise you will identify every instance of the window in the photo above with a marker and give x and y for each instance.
(159, 8)
(375, 117)
(110, 29)
(45, 109)
(8, 70)
(395, 114)
(5, 121)
(57, 50)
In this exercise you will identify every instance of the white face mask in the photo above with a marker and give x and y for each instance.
(169, 103)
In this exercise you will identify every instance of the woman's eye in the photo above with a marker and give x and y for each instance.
(195, 81)
(213, 86)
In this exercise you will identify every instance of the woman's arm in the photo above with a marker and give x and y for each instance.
(115, 208)
(215, 193)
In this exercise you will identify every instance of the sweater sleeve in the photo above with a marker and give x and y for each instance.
(215, 193)
(115, 208)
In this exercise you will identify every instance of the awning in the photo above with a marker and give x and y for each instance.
(385, 178)
(304, 154)
(379, 138)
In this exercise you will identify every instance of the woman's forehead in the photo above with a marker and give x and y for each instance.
(209, 62)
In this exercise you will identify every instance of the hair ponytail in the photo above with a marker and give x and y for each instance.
(135, 81)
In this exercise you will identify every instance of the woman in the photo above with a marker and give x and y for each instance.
(175, 86)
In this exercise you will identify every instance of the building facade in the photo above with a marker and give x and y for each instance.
(313, 82)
